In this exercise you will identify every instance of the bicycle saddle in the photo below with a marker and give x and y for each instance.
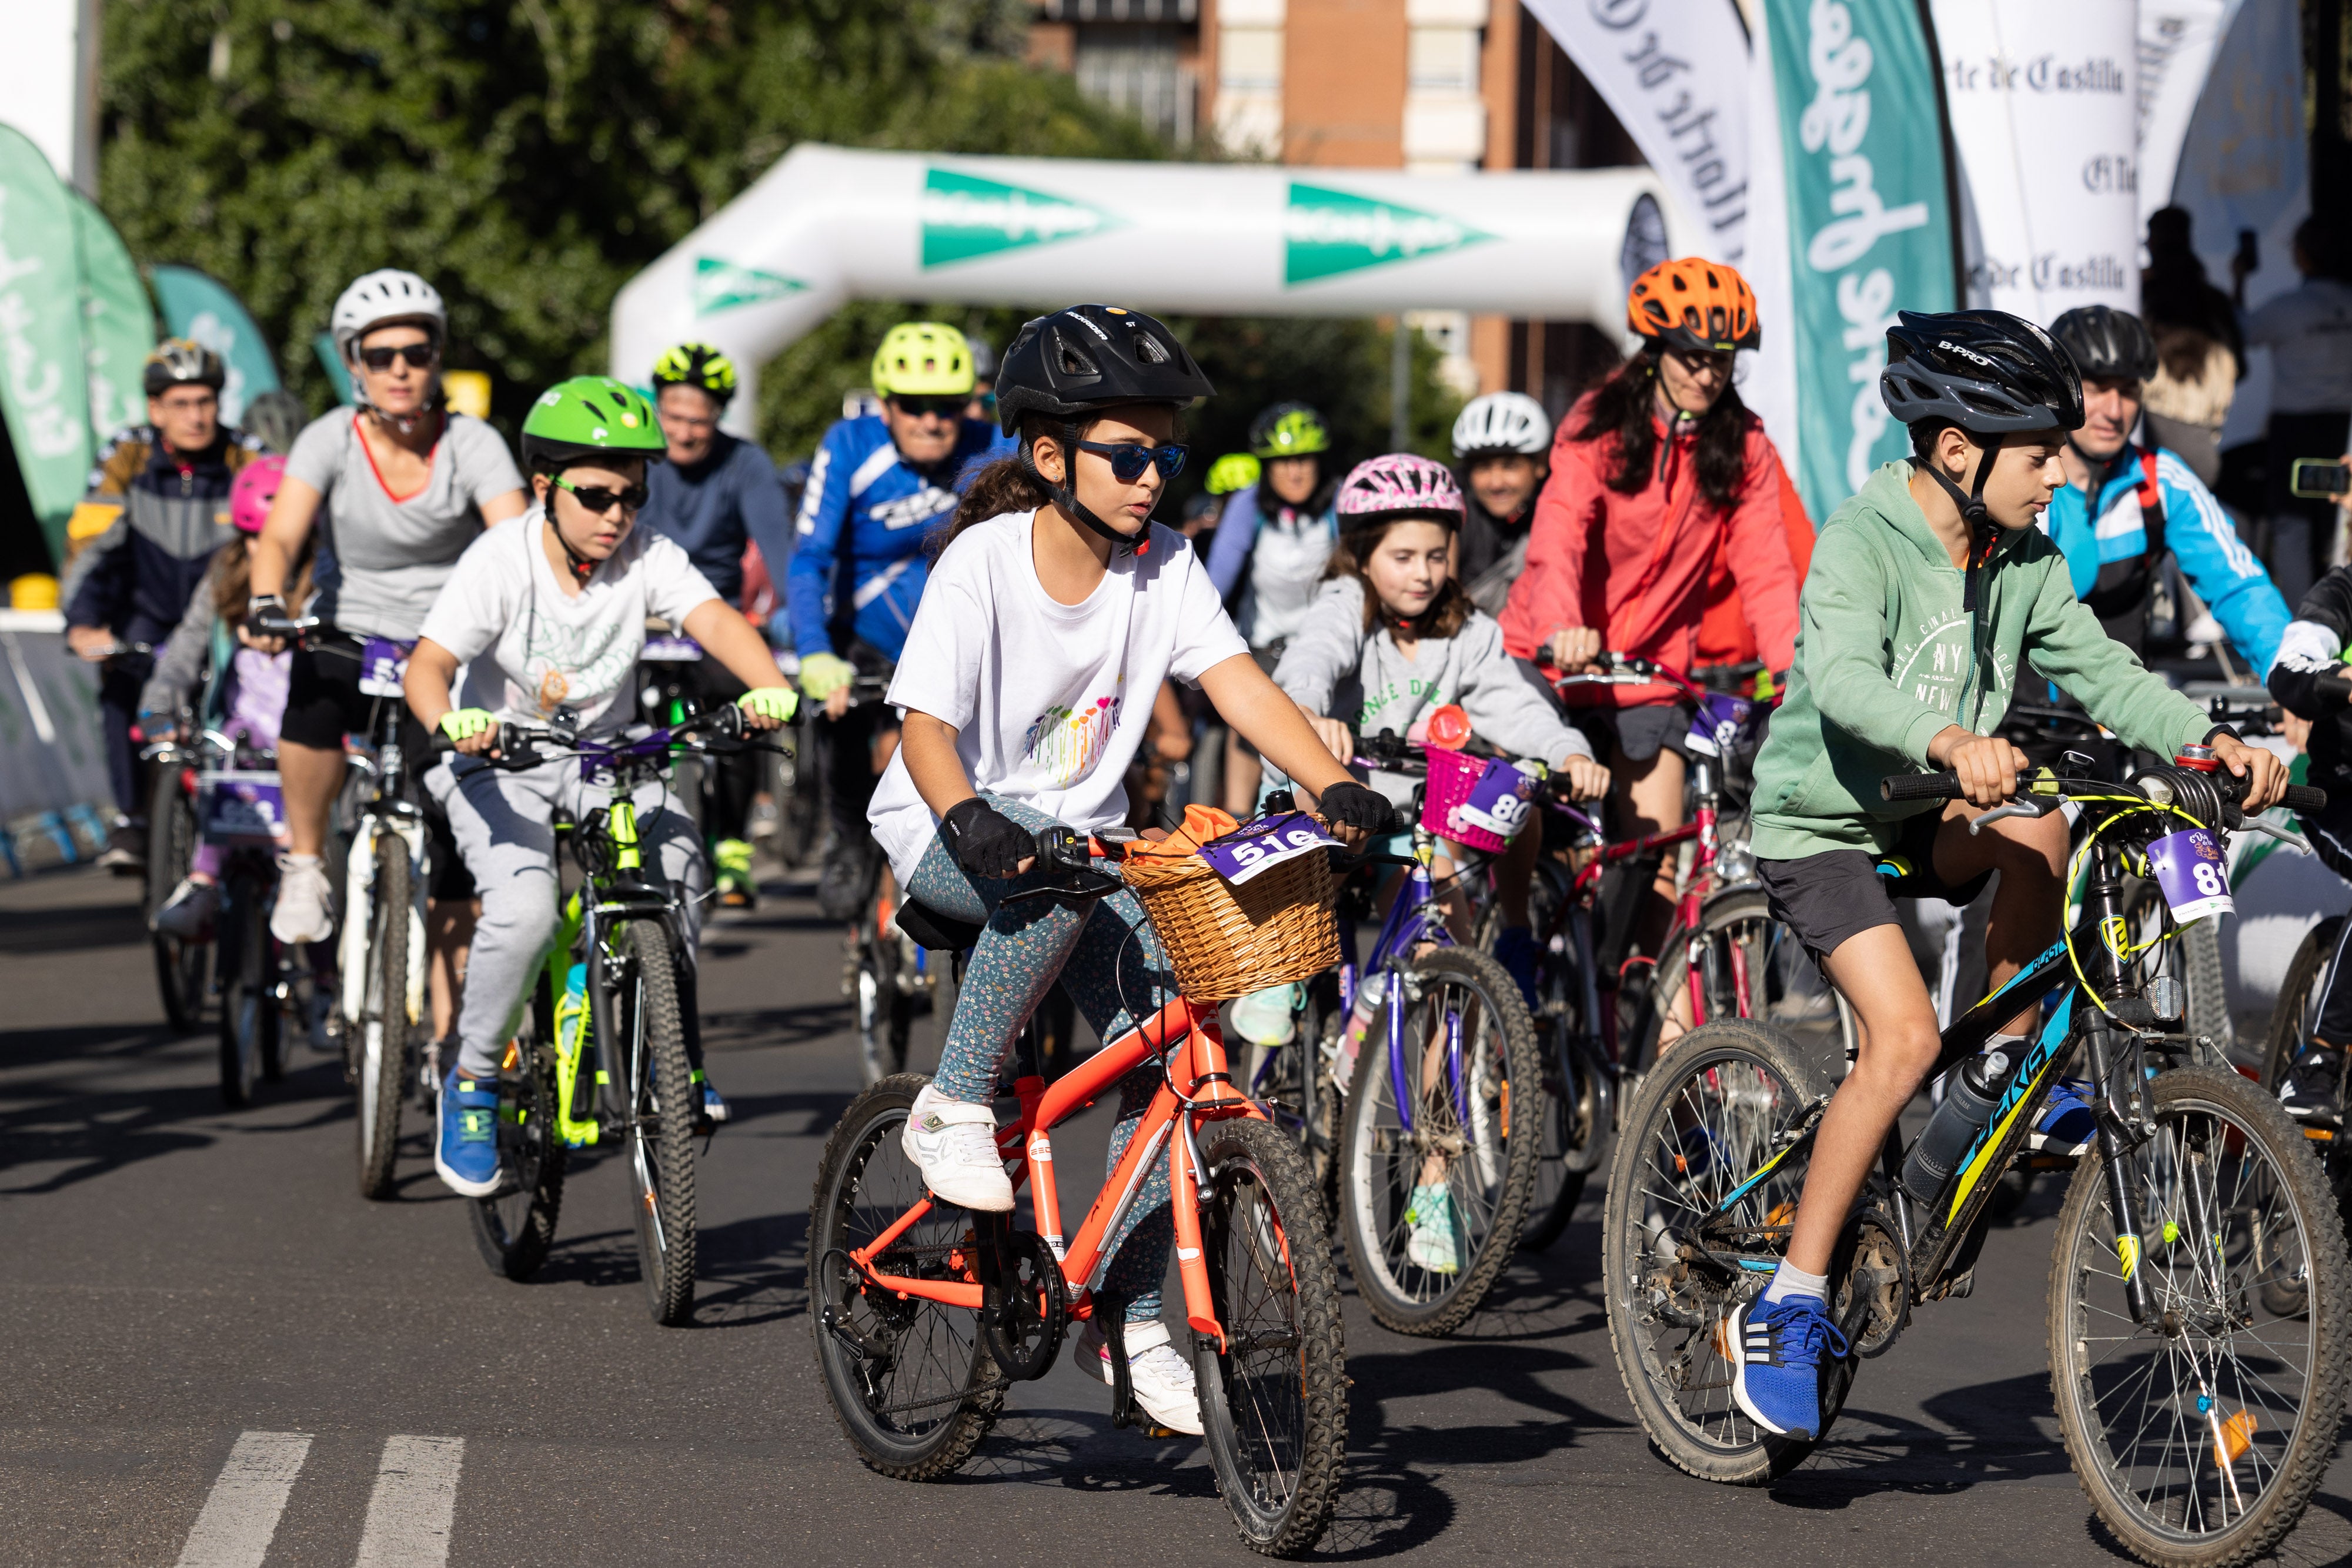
(930, 929)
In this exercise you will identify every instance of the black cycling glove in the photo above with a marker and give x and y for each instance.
(266, 616)
(1350, 804)
(985, 840)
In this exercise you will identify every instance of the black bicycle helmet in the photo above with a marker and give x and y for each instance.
(1988, 372)
(1082, 360)
(2106, 342)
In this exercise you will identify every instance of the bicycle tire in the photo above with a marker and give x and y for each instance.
(1742, 916)
(515, 1227)
(2291, 1024)
(1484, 1215)
(659, 1140)
(2213, 1120)
(2193, 958)
(1274, 1402)
(1567, 1147)
(183, 969)
(247, 1010)
(1744, 1066)
(383, 1023)
(864, 1183)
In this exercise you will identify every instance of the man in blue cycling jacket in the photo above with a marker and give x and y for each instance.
(2126, 505)
(879, 485)
(715, 495)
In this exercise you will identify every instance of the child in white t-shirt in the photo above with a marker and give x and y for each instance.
(547, 610)
(1054, 611)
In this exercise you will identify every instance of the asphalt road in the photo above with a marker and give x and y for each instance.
(203, 1327)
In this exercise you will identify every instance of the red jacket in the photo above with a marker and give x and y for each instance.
(1724, 635)
(1636, 566)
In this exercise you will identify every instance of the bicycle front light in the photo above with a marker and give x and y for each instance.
(2156, 787)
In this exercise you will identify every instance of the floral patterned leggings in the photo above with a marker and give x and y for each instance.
(1105, 954)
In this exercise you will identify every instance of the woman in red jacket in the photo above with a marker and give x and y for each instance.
(1653, 474)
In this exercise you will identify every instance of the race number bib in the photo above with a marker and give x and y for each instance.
(383, 661)
(671, 650)
(1720, 724)
(1499, 801)
(2190, 874)
(241, 809)
(1278, 839)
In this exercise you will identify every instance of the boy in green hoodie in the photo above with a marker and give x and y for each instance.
(1928, 591)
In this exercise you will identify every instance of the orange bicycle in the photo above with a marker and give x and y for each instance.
(924, 1313)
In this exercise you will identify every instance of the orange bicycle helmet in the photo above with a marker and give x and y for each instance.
(1696, 305)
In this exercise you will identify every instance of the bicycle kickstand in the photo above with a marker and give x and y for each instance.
(1122, 1392)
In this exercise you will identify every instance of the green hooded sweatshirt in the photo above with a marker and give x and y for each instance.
(1887, 658)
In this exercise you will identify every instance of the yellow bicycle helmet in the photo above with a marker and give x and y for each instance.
(923, 359)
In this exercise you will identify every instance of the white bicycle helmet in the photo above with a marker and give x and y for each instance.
(1502, 421)
(380, 299)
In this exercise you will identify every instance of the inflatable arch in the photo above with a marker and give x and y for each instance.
(828, 225)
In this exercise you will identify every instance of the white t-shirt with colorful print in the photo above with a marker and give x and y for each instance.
(1049, 701)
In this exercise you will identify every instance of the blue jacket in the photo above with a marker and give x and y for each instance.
(2197, 533)
(858, 562)
(712, 507)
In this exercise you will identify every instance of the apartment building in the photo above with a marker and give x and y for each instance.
(1439, 85)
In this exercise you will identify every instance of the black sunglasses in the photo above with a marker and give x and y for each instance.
(599, 500)
(1129, 459)
(419, 356)
(940, 407)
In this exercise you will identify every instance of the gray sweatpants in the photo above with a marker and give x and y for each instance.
(505, 828)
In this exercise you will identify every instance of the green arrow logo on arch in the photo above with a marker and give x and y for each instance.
(966, 217)
(723, 284)
(1332, 231)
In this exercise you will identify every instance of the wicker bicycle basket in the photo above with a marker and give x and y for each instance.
(1227, 941)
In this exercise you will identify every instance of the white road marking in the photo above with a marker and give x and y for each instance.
(240, 1515)
(415, 1498)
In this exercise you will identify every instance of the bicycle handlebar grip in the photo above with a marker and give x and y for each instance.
(2305, 798)
(1921, 787)
(1063, 847)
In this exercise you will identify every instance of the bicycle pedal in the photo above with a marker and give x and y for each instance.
(1146, 1428)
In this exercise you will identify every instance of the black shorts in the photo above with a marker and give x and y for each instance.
(1827, 897)
(1641, 733)
(324, 704)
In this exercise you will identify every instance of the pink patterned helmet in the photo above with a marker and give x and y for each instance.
(251, 492)
(1399, 485)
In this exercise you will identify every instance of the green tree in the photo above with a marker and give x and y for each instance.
(530, 156)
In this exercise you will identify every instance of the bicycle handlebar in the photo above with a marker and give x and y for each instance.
(519, 745)
(1946, 786)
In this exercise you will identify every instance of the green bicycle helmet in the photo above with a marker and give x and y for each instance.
(697, 365)
(1288, 430)
(586, 418)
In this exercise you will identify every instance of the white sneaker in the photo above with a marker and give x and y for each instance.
(1156, 1370)
(304, 910)
(953, 1144)
(1430, 1212)
(188, 914)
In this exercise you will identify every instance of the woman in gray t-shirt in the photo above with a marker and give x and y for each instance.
(401, 485)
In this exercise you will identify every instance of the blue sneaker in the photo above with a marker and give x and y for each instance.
(714, 1104)
(466, 1148)
(1514, 949)
(2068, 1124)
(1776, 1355)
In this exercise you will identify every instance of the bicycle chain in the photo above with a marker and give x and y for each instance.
(937, 1250)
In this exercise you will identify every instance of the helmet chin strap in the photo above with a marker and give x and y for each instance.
(583, 568)
(1983, 532)
(1136, 543)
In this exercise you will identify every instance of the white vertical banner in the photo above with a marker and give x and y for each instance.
(1675, 73)
(2178, 41)
(2044, 101)
(1768, 374)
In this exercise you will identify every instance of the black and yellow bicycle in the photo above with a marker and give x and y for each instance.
(2198, 1348)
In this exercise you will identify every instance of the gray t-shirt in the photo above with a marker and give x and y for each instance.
(2308, 331)
(390, 558)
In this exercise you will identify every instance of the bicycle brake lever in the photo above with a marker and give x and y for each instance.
(2293, 840)
(2023, 805)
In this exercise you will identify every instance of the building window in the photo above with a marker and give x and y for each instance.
(1139, 69)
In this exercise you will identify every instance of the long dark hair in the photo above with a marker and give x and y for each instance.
(1625, 407)
(1447, 613)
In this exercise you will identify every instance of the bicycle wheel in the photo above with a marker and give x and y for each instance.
(1723, 1104)
(2193, 958)
(662, 1103)
(2293, 1020)
(183, 969)
(1573, 1133)
(1733, 948)
(886, 1013)
(383, 1016)
(1440, 1154)
(515, 1226)
(1274, 1402)
(248, 1013)
(910, 1384)
(2199, 1436)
